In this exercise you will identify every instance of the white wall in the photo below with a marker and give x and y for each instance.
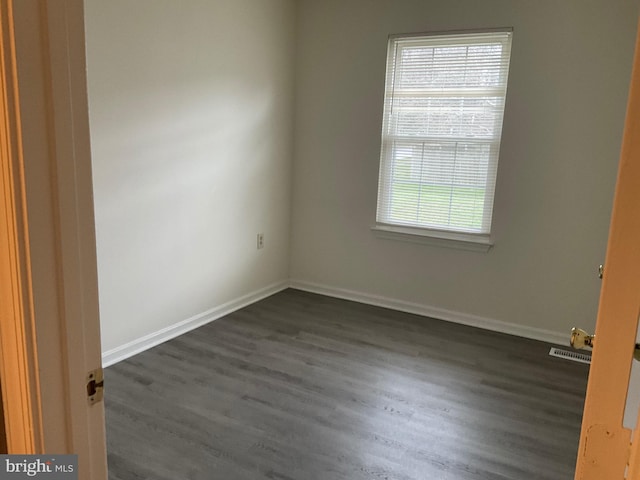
(191, 108)
(564, 116)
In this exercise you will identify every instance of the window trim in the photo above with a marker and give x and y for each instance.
(433, 236)
(475, 242)
(438, 33)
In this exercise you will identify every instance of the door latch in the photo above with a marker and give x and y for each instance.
(95, 386)
(580, 339)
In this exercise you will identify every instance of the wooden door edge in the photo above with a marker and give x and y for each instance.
(604, 448)
(18, 354)
(634, 453)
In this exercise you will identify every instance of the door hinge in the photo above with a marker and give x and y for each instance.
(95, 386)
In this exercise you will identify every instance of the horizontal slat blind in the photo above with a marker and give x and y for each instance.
(444, 103)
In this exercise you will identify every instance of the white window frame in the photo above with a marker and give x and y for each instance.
(414, 232)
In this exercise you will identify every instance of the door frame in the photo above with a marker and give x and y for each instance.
(51, 325)
(18, 360)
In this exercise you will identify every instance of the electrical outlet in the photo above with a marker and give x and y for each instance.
(260, 241)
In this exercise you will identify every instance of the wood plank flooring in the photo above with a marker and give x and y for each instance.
(304, 387)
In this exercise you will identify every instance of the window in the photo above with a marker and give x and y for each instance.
(444, 103)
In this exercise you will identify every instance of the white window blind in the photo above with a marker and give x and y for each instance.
(444, 103)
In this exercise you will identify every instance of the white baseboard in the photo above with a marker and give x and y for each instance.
(156, 338)
(434, 312)
(139, 345)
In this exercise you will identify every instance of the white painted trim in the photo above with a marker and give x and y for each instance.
(438, 238)
(139, 345)
(549, 336)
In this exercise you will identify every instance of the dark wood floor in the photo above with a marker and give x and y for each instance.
(301, 386)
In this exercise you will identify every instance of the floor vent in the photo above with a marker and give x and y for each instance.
(569, 355)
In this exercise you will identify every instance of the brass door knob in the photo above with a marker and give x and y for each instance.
(581, 340)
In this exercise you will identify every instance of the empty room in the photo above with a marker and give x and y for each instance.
(338, 239)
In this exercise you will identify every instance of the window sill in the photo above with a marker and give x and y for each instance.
(437, 238)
